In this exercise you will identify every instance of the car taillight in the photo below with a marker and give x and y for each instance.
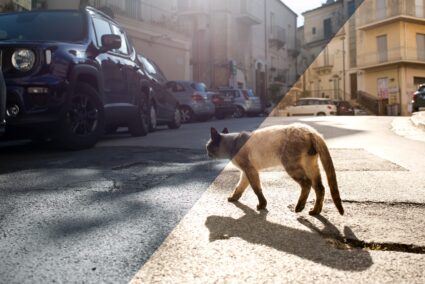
(329, 107)
(415, 97)
(216, 100)
(197, 98)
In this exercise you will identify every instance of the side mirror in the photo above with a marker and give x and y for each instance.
(110, 42)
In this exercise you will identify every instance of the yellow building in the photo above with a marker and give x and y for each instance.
(390, 61)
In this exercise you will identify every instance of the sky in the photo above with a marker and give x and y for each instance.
(300, 6)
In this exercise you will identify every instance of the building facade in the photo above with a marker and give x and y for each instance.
(240, 43)
(153, 28)
(390, 54)
(329, 43)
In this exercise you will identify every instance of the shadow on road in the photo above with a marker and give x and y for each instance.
(254, 228)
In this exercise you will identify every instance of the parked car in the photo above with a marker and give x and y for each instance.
(246, 103)
(344, 108)
(2, 103)
(224, 104)
(359, 110)
(312, 106)
(164, 107)
(193, 99)
(418, 102)
(68, 74)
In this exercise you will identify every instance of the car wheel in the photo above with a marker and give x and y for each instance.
(220, 116)
(83, 121)
(177, 122)
(321, 114)
(153, 122)
(111, 129)
(139, 126)
(239, 112)
(186, 114)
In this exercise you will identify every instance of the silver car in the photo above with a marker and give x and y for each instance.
(195, 104)
(245, 102)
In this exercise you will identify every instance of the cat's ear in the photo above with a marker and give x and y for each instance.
(225, 131)
(215, 136)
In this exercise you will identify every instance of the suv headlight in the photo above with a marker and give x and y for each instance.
(23, 60)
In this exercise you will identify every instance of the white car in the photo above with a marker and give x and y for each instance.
(312, 106)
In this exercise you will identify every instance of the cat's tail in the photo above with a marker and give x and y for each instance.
(320, 146)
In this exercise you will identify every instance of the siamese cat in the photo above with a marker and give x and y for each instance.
(296, 147)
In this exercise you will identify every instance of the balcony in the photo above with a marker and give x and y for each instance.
(248, 13)
(323, 66)
(191, 7)
(407, 10)
(277, 37)
(393, 56)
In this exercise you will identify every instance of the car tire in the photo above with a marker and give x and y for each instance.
(239, 112)
(153, 118)
(83, 120)
(321, 114)
(220, 116)
(177, 122)
(186, 114)
(139, 126)
(111, 129)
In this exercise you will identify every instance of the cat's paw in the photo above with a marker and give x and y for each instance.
(232, 199)
(314, 212)
(299, 208)
(261, 206)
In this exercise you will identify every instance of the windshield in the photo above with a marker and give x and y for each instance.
(200, 87)
(249, 93)
(68, 26)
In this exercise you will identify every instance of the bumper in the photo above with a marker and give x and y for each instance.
(34, 107)
(204, 109)
(225, 110)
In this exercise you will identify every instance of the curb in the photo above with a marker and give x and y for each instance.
(418, 119)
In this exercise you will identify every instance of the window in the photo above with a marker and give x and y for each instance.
(101, 27)
(132, 8)
(382, 48)
(313, 31)
(351, 8)
(302, 103)
(327, 25)
(44, 25)
(124, 43)
(420, 46)
(272, 20)
(200, 87)
(419, 6)
(380, 9)
(175, 87)
(149, 68)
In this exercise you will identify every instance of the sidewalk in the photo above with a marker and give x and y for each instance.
(418, 119)
(410, 127)
(379, 239)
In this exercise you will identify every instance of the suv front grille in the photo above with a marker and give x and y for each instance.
(6, 60)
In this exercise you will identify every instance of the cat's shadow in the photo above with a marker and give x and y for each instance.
(254, 228)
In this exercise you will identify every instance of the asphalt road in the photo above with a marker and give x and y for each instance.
(98, 215)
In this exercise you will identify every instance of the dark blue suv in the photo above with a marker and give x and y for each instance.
(69, 74)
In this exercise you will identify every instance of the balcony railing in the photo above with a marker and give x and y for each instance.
(277, 36)
(249, 13)
(369, 14)
(391, 56)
